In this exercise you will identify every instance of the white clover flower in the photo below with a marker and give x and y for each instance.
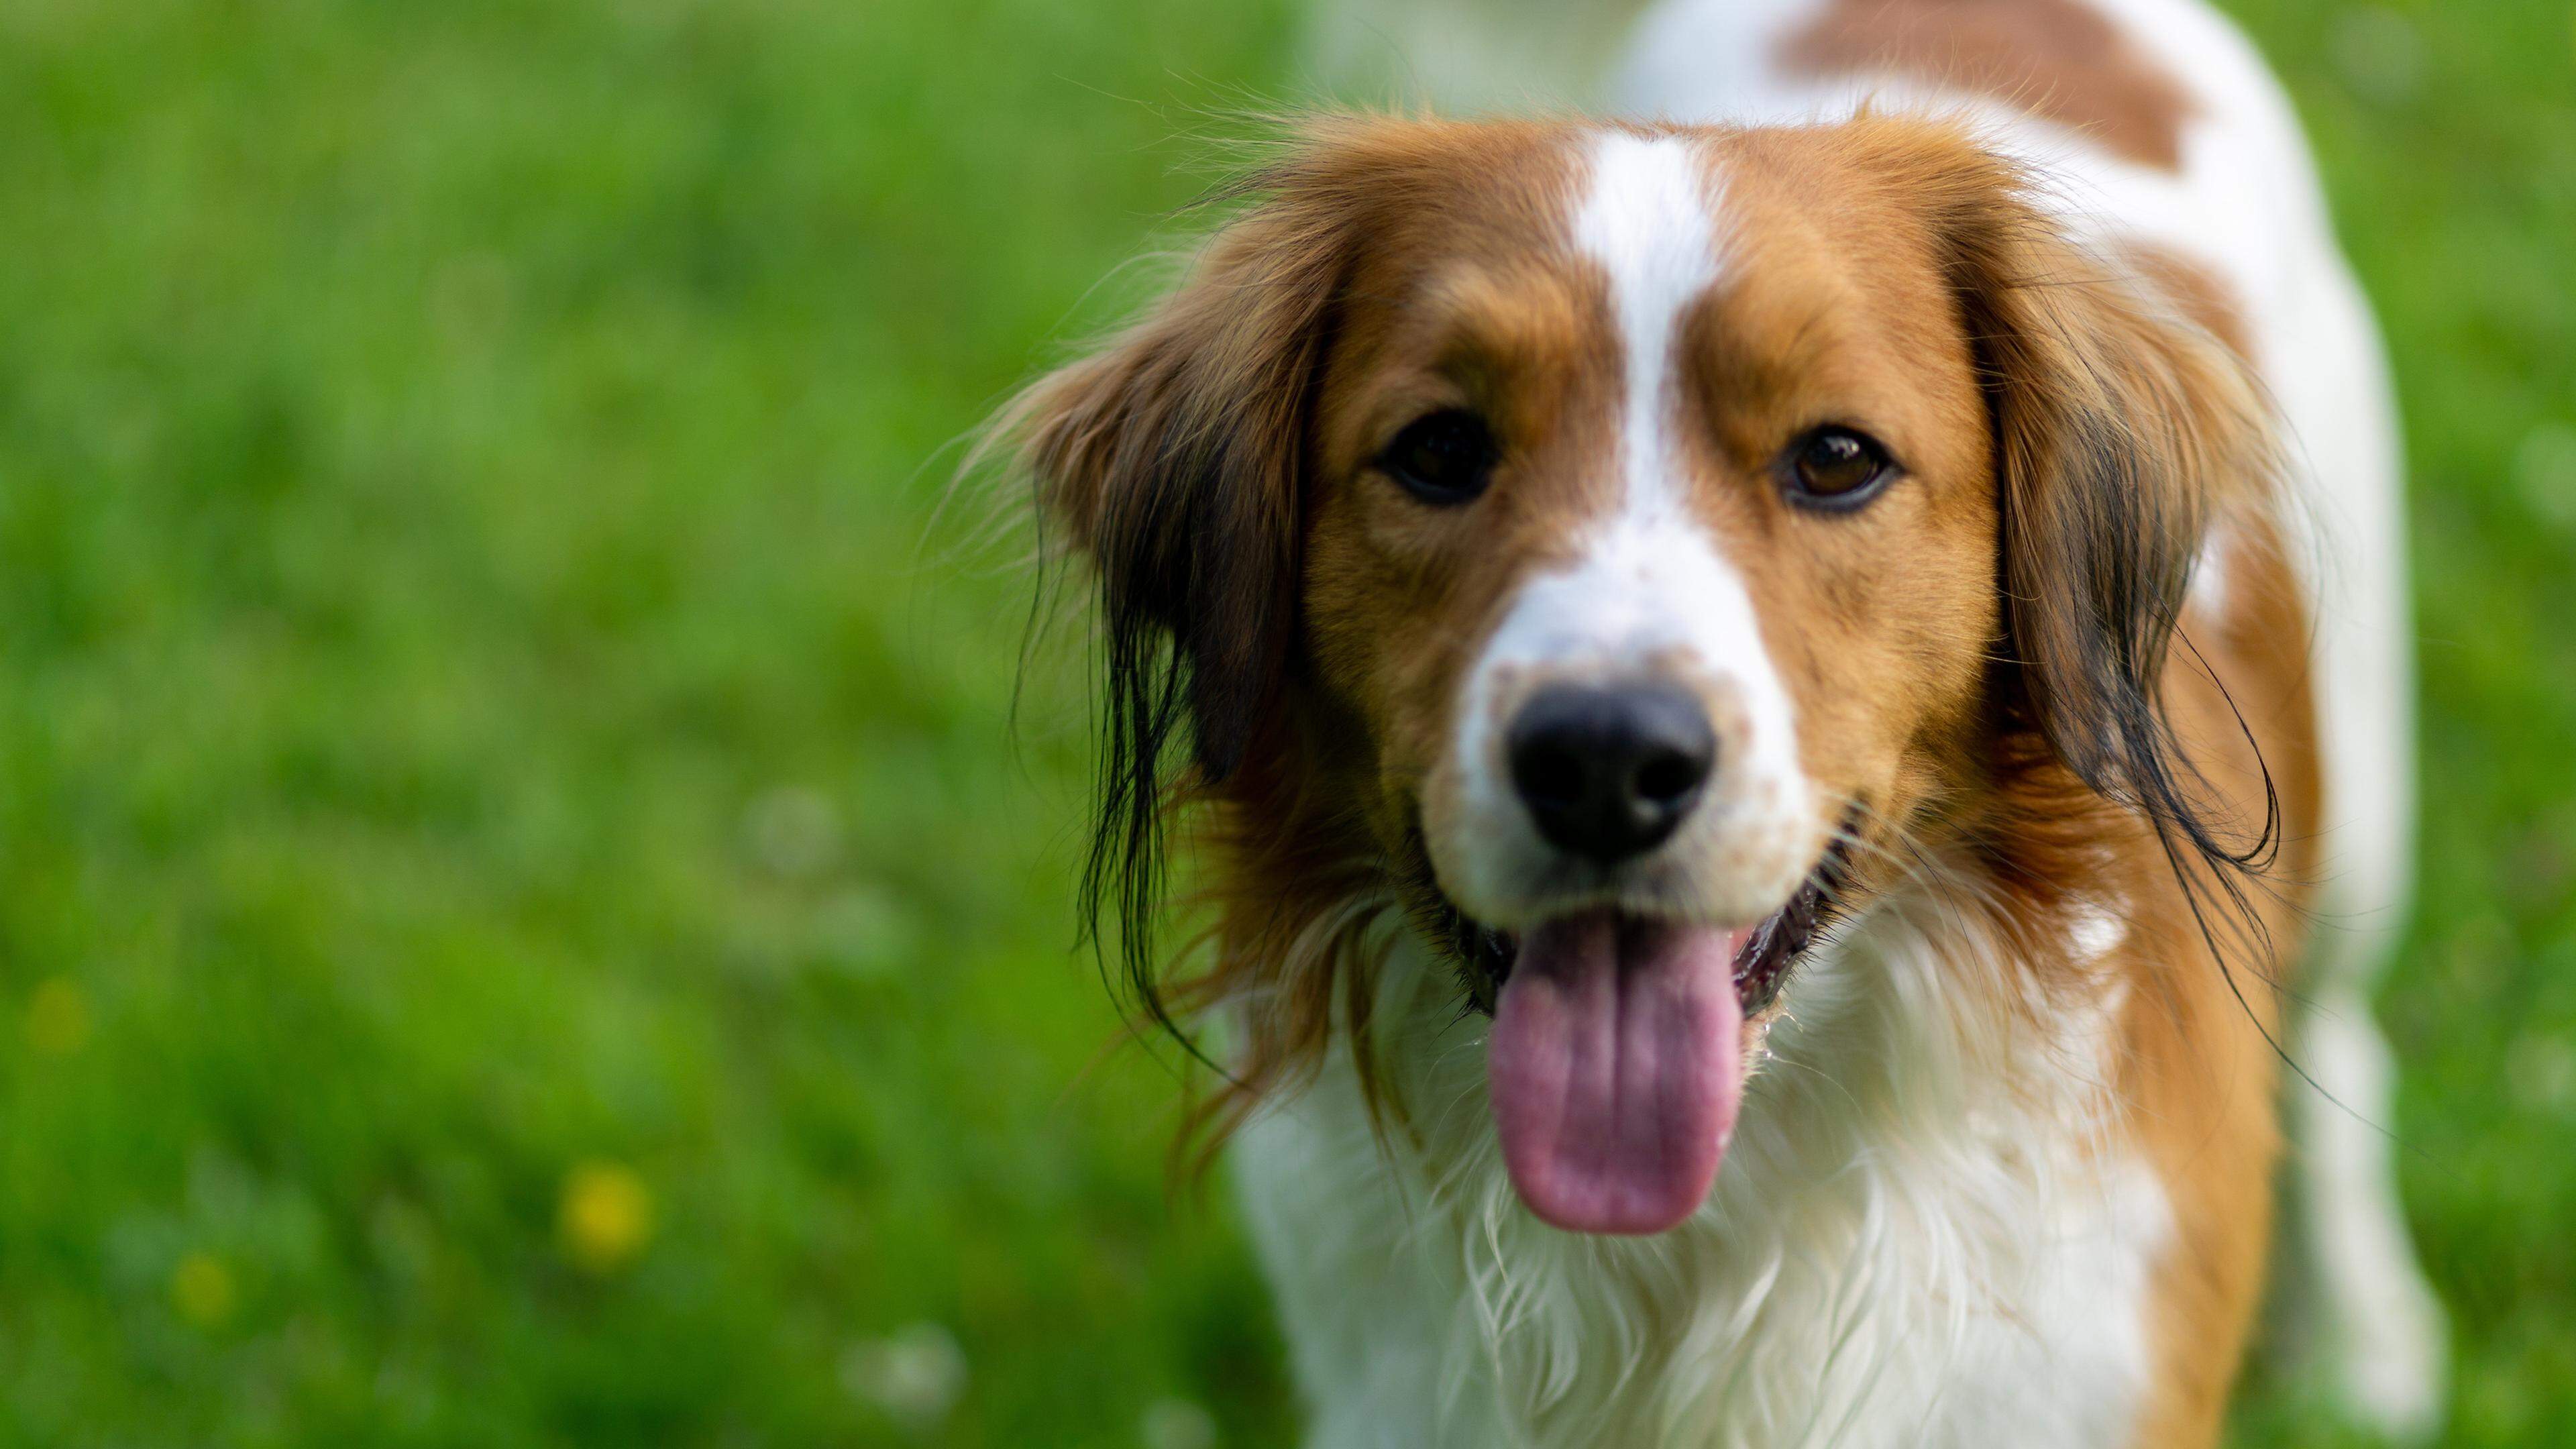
(915, 1374)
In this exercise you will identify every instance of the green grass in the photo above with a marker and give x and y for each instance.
(523, 919)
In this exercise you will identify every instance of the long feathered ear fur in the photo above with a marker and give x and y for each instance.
(2120, 430)
(1174, 461)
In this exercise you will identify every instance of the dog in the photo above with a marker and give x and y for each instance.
(1785, 680)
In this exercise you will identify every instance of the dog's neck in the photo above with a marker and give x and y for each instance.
(1925, 1157)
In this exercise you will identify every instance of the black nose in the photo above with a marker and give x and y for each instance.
(1609, 772)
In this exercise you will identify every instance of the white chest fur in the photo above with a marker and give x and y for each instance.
(1921, 1237)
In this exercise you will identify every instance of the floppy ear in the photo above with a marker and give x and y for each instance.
(2120, 428)
(1174, 460)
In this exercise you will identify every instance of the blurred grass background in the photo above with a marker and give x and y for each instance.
(521, 920)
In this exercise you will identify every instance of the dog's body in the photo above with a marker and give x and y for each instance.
(1999, 1143)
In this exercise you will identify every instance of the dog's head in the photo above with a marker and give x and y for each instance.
(1609, 538)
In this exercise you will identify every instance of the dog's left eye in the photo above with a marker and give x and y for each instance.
(1445, 457)
(1836, 467)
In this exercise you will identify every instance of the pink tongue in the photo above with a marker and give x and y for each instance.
(1615, 1069)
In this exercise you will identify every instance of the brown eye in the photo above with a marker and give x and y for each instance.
(1835, 467)
(1443, 458)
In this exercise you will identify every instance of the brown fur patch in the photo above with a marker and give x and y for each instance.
(2195, 291)
(1188, 462)
(2059, 59)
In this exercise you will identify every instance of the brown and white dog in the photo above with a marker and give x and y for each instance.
(1769, 695)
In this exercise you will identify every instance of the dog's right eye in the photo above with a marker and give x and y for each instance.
(1444, 458)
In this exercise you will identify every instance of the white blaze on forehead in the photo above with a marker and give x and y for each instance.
(1647, 220)
(1648, 593)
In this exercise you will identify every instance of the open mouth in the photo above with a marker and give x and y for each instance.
(1615, 1063)
(1762, 965)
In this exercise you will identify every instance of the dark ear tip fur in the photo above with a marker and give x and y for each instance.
(1173, 461)
(2119, 432)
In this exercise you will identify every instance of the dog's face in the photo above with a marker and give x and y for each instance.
(1653, 528)
(1617, 525)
